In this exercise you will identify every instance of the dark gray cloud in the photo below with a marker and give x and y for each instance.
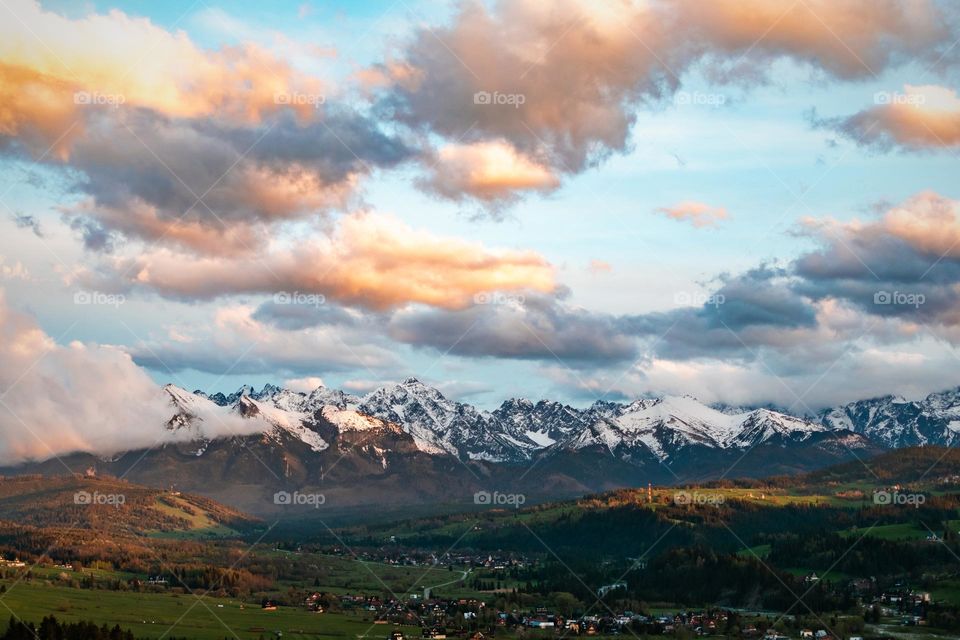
(200, 172)
(211, 186)
(294, 316)
(94, 235)
(533, 327)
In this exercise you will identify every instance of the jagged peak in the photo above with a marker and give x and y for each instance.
(269, 390)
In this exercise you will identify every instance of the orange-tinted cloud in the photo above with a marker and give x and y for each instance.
(696, 213)
(372, 261)
(928, 223)
(562, 81)
(919, 117)
(201, 148)
(486, 171)
(599, 266)
(847, 38)
(61, 67)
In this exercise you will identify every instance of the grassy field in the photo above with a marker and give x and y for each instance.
(759, 551)
(903, 531)
(340, 574)
(172, 615)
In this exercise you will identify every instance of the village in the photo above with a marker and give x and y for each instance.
(474, 619)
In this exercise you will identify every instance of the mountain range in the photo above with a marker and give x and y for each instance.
(406, 444)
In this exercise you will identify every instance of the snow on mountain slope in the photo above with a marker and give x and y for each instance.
(423, 412)
(763, 425)
(520, 429)
(896, 422)
(282, 421)
(537, 425)
(439, 425)
(349, 420)
(665, 426)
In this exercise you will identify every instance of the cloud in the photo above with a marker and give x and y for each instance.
(696, 213)
(236, 342)
(372, 261)
(824, 322)
(597, 267)
(364, 386)
(748, 312)
(15, 271)
(905, 264)
(218, 189)
(527, 327)
(864, 372)
(562, 82)
(463, 390)
(304, 385)
(919, 118)
(27, 221)
(296, 314)
(82, 397)
(487, 171)
(174, 144)
(890, 279)
(115, 59)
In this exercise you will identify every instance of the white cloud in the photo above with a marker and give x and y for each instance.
(82, 397)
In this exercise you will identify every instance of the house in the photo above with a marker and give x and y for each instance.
(13, 563)
(314, 602)
(607, 588)
(540, 623)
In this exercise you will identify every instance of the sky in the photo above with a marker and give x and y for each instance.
(749, 201)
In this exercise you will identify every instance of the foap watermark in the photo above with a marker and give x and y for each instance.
(499, 99)
(700, 98)
(298, 499)
(99, 298)
(898, 499)
(698, 299)
(98, 99)
(899, 299)
(297, 99)
(498, 298)
(899, 98)
(297, 297)
(497, 499)
(97, 498)
(698, 498)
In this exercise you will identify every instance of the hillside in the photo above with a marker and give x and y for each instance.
(114, 506)
(624, 522)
